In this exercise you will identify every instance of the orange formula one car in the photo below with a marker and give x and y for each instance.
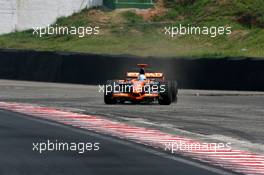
(140, 87)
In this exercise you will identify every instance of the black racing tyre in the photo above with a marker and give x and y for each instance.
(166, 94)
(108, 93)
(174, 91)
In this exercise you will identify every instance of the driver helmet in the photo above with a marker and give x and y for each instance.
(142, 77)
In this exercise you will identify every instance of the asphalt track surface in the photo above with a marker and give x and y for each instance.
(17, 134)
(222, 116)
(226, 115)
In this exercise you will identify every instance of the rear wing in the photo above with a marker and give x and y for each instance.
(148, 75)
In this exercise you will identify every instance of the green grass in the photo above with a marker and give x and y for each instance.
(128, 33)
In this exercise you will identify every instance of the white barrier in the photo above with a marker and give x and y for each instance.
(17, 15)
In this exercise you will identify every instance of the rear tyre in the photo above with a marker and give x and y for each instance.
(174, 91)
(108, 93)
(165, 93)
